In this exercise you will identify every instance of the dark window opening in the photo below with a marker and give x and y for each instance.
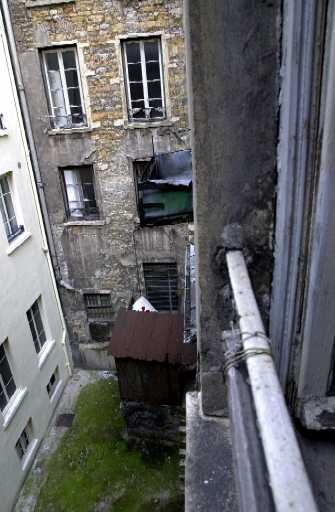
(164, 188)
(100, 332)
(7, 384)
(161, 285)
(79, 193)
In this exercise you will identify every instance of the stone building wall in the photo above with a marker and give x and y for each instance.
(100, 255)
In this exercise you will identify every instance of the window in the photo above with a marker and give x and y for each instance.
(64, 88)
(24, 440)
(2, 123)
(7, 384)
(52, 384)
(98, 306)
(161, 284)
(36, 326)
(100, 331)
(8, 215)
(80, 200)
(144, 79)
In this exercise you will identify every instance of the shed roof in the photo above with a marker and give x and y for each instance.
(150, 336)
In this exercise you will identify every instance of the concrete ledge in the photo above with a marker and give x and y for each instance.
(209, 478)
(41, 3)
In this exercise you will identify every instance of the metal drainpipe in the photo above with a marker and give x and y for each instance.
(50, 245)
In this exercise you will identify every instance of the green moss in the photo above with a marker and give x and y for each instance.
(94, 470)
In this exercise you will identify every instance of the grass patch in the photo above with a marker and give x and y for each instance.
(93, 470)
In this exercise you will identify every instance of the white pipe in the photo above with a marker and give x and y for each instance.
(288, 478)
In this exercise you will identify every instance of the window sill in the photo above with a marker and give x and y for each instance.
(29, 455)
(41, 3)
(13, 406)
(99, 345)
(17, 242)
(45, 352)
(130, 125)
(4, 133)
(70, 131)
(84, 223)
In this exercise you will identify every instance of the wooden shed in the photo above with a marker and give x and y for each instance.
(150, 356)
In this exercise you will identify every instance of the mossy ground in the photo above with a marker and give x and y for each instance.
(93, 469)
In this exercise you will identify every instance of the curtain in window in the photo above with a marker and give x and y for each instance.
(74, 193)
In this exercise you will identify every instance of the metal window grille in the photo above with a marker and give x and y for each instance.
(52, 384)
(23, 442)
(98, 306)
(36, 326)
(64, 88)
(144, 79)
(7, 384)
(161, 284)
(7, 210)
(80, 193)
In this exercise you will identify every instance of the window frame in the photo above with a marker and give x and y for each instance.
(86, 216)
(4, 386)
(91, 308)
(52, 387)
(141, 40)
(20, 227)
(37, 341)
(24, 441)
(59, 50)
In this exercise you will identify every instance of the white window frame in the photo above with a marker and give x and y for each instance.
(59, 51)
(52, 388)
(38, 340)
(20, 229)
(2, 384)
(24, 440)
(141, 41)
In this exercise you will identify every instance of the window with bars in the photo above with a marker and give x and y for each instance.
(98, 306)
(61, 70)
(144, 79)
(36, 325)
(161, 285)
(8, 215)
(52, 384)
(79, 194)
(7, 383)
(24, 440)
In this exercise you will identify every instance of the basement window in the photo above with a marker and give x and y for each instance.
(7, 383)
(161, 285)
(79, 193)
(65, 96)
(100, 331)
(144, 79)
(98, 306)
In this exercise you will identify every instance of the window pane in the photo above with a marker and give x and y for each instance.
(74, 98)
(156, 104)
(19, 449)
(57, 99)
(136, 91)
(138, 111)
(52, 61)
(77, 115)
(69, 59)
(135, 72)
(133, 52)
(71, 78)
(154, 89)
(3, 399)
(10, 387)
(153, 71)
(151, 50)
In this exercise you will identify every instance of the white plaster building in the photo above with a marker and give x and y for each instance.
(34, 364)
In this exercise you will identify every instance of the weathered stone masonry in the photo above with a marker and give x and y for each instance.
(100, 255)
